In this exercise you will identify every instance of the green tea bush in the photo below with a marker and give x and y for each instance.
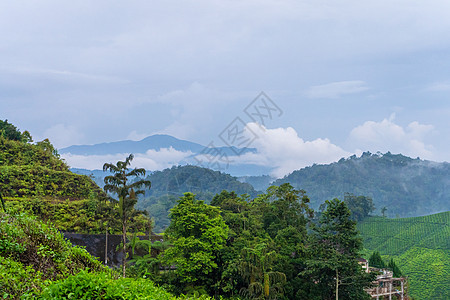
(103, 285)
(33, 253)
(17, 279)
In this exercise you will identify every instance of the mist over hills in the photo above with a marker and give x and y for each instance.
(164, 151)
(406, 187)
(153, 142)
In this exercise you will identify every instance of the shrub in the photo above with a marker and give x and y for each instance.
(103, 285)
(33, 253)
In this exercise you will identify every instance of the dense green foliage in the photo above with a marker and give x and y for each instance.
(35, 179)
(10, 132)
(103, 285)
(33, 253)
(198, 233)
(406, 187)
(271, 252)
(80, 216)
(420, 247)
(376, 261)
(36, 262)
(335, 248)
(359, 206)
(170, 184)
(28, 170)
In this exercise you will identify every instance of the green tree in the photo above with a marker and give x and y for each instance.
(360, 206)
(9, 131)
(256, 268)
(198, 232)
(376, 261)
(395, 269)
(334, 251)
(126, 190)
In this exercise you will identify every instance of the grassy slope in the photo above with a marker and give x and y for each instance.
(420, 246)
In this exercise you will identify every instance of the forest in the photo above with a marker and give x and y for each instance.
(406, 187)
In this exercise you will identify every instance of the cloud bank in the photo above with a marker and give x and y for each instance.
(285, 151)
(386, 135)
(150, 160)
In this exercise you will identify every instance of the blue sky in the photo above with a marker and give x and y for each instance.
(349, 76)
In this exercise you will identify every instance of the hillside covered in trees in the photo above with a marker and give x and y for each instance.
(420, 247)
(406, 187)
(34, 179)
(170, 184)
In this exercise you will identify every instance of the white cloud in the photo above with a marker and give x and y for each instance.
(337, 89)
(62, 136)
(285, 151)
(388, 136)
(151, 160)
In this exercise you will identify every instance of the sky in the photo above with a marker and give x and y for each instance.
(342, 76)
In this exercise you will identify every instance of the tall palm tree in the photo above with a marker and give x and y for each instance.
(255, 268)
(120, 184)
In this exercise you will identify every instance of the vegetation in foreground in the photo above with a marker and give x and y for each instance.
(36, 262)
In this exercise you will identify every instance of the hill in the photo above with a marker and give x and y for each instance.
(34, 179)
(168, 185)
(406, 187)
(420, 246)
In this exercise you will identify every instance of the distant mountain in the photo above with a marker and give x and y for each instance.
(218, 158)
(406, 187)
(153, 142)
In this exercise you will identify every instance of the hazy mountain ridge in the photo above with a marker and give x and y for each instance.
(219, 158)
(405, 186)
(153, 142)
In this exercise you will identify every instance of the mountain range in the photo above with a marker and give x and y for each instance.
(219, 158)
(153, 142)
(405, 186)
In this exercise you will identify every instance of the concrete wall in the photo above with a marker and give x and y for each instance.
(95, 245)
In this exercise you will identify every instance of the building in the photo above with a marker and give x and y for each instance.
(387, 286)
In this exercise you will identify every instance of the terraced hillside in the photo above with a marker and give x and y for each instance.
(420, 246)
(34, 179)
